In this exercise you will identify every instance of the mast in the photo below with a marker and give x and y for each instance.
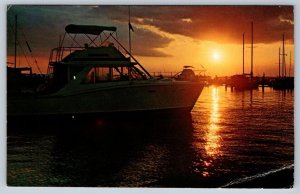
(290, 63)
(279, 64)
(251, 73)
(16, 34)
(243, 53)
(283, 58)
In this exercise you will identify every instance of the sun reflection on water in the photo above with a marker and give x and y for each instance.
(212, 139)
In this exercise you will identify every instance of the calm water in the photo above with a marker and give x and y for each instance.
(228, 136)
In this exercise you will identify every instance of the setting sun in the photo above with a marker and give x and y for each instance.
(216, 56)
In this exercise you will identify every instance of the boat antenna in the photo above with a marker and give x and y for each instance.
(129, 29)
(16, 34)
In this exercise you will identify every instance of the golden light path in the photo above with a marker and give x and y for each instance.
(212, 138)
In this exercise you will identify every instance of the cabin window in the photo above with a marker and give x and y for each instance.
(105, 74)
(97, 74)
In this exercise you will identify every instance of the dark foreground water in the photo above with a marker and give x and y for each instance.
(231, 139)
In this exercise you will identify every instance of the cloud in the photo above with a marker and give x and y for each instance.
(42, 25)
(146, 43)
(220, 23)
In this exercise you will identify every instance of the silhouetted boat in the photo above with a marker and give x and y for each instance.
(282, 82)
(21, 79)
(98, 78)
(245, 81)
(242, 82)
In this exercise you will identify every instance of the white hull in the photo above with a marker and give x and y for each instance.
(149, 95)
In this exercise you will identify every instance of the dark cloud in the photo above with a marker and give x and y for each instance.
(42, 25)
(221, 23)
(224, 24)
(145, 43)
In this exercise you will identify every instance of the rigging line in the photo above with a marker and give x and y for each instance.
(18, 44)
(24, 53)
(36, 63)
(32, 56)
(22, 49)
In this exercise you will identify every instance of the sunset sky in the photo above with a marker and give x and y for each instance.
(166, 38)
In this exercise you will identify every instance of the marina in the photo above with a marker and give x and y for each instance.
(150, 96)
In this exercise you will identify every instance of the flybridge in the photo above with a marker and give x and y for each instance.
(96, 37)
(92, 46)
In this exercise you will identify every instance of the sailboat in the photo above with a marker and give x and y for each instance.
(245, 81)
(21, 79)
(283, 81)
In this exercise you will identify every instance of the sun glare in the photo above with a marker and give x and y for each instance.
(216, 56)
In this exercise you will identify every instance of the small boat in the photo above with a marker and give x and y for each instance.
(97, 78)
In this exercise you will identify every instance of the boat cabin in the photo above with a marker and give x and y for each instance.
(100, 62)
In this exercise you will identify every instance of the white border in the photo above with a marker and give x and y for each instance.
(69, 190)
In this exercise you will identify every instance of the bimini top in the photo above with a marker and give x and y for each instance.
(88, 29)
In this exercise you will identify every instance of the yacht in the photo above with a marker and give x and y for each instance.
(98, 78)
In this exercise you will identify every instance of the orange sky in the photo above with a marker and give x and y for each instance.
(166, 38)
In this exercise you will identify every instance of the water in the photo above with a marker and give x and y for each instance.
(228, 137)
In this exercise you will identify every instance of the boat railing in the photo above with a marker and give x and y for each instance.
(175, 75)
(168, 75)
(57, 55)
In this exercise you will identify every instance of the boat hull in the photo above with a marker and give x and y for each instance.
(130, 97)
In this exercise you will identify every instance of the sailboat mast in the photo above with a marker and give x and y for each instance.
(243, 53)
(279, 64)
(283, 58)
(290, 63)
(16, 34)
(251, 73)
